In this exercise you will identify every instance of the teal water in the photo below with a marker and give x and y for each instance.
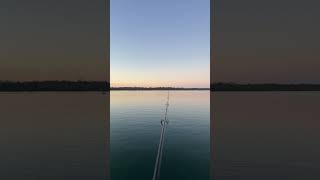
(135, 132)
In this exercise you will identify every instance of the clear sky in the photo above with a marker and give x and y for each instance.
(160, 43)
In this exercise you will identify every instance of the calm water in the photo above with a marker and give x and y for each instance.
(135, 132)
(266, 135)
(62, 136)
(53, 136)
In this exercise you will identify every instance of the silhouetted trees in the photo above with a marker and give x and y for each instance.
(264, 87)
(12, 86)
(105, 86)
(156, 88)
(54, 86)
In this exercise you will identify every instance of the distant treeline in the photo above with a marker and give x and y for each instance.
(264, 87)
(156, 88)
(15, 86)
(11, 86)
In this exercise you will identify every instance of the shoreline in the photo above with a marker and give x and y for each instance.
(1, 91)
(104, 86)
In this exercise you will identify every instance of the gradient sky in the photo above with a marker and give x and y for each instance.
(160, 43)
(274, 41)
(53, 40)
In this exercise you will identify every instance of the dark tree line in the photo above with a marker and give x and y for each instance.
(105, 86)
(264, 87)
(54, 86)
(156, 88)
(12, 86)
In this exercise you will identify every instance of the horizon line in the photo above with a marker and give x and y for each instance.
(106, 81)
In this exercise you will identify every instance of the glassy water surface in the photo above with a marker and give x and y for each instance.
(266, 135)
(135, 133)
(256, 135)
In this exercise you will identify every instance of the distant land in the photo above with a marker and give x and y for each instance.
(16, 86)
(264, 87)
(155, 88)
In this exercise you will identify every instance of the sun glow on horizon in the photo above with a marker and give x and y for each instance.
(201, 79)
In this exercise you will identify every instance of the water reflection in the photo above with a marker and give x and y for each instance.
(266, 135)
(53, 136)
(135, 132)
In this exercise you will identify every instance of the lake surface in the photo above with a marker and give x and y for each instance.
(53, 136)
(256, 135)
(266, 135)
(135, 133)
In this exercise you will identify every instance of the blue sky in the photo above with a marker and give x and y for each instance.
(160, 43)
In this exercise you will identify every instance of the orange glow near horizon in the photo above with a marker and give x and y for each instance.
(167, 79)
